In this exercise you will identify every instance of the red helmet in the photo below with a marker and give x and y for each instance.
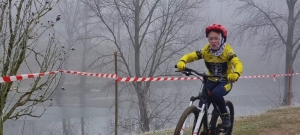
(217, 27)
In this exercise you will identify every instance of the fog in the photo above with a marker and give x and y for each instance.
(94, 102)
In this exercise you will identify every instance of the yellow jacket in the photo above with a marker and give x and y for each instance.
(223, 64)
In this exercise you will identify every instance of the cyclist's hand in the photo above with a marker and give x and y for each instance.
(181, 65)
(233, 77)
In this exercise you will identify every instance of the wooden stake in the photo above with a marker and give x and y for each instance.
(116, 94)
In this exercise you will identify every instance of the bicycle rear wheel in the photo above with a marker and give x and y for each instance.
(192, 110)
(216, 120)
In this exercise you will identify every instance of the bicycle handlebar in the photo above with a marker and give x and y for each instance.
(188, 72)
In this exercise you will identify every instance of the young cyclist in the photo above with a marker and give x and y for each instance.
(219, 59)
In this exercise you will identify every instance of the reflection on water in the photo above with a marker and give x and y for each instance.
(96, 121)
(249, 96)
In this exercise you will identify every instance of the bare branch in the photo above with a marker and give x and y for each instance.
(272, 29)
(22, 23)
(296, 51)
(256, 16)
(98, 11)
(125, 22)
(149, 34)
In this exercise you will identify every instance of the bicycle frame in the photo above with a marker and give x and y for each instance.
(204, 108)
(203, 112)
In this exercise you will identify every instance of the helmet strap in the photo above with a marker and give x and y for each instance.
(221, 43)
(221, 47)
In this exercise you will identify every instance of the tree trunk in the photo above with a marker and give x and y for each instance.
(2, 104)
(137, 43)
(289, 63)
(82, 125)
(58, 98)
(65, 129)
(81, 95)
(289, 50)
(82, 83)
(1, 122)
(138, 86)
(145, 122)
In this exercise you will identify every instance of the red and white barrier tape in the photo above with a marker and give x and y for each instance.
(122, 79)
(144, 79)
(268, 76)
(90, 74)
(24, 76)
(33, 75)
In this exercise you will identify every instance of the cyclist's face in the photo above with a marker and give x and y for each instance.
(214, 39)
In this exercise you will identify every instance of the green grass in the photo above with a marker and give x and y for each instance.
(284, 121)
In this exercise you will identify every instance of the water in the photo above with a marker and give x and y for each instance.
(249, 96)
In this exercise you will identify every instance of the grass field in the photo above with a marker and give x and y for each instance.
(283, 121)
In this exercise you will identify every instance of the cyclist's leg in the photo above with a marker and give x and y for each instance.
(210, 85)
(218, 96)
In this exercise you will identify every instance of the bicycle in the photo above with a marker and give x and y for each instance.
(211, 128)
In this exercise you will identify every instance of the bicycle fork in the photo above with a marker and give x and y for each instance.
(195, 132)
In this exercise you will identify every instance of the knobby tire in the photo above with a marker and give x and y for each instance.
(190, 110)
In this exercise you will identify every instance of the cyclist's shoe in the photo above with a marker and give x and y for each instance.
(226, 120)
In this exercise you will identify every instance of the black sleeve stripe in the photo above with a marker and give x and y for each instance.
(231, 57)
(199, 54)
(237, 73)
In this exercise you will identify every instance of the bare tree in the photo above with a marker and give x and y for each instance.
(72, 16)
(162, 107)
(70, 20)
(274, 96)
(28, 43)
(274, 29)
(152, 33)
(76, 35)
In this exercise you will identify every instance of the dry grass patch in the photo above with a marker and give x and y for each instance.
(284, 121)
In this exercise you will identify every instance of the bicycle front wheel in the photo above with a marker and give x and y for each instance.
(186, 124)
